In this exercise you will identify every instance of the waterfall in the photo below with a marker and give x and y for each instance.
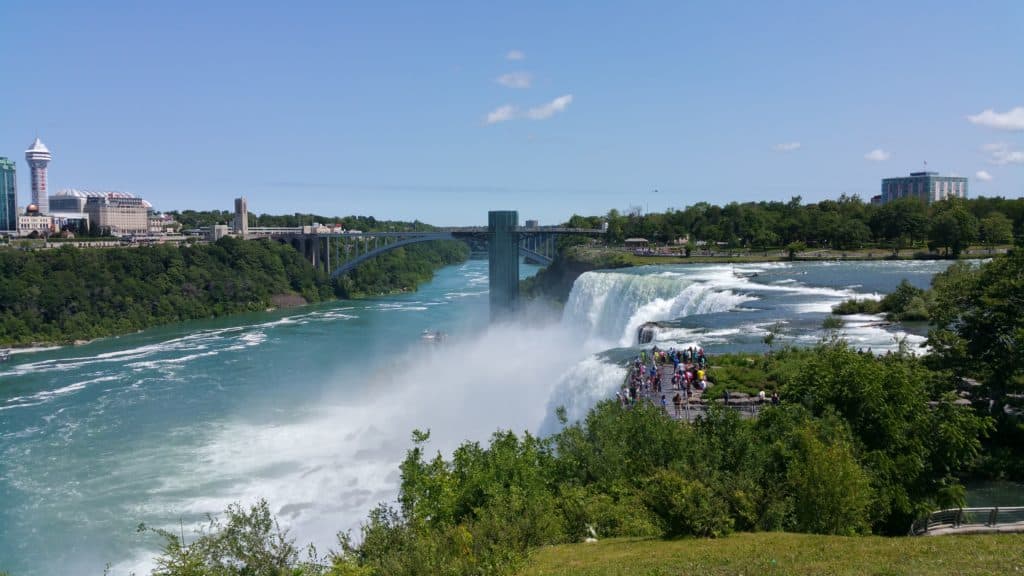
(611, 306)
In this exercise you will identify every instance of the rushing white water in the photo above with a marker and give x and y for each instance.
(611, 306)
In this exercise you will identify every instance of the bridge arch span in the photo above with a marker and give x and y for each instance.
(355, 262)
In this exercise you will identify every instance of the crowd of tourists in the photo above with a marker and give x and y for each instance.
(648, 378)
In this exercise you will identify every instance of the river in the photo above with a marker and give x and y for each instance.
(312, 408)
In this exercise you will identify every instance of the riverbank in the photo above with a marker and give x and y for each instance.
(69, 295)
(755, 256)
(784, 553)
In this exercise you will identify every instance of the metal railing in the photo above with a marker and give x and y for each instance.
(952, 520)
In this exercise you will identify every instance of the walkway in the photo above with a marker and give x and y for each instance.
(993, 520)
(697, 406)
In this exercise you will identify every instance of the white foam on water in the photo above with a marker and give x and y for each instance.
(45, 395)
(610, 307)
(326, 468)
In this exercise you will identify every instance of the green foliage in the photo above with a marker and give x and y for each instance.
(832, 323)
(996, 228)
(884, 402)
(69, 293)
(571, 260)
(906, 303)
(901, 222)
(978, 313)
(857, 306)
(249, 542)
(794, 248)
(831, 492)
(73, 293)
(686, 507)
(843, 224)
(402, 269)
(953, 227)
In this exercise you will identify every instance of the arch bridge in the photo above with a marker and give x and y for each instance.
(506, 241)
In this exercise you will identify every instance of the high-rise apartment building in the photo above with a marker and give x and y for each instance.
(241, 226)
(38, 157)
(8, 195)
(927, 187)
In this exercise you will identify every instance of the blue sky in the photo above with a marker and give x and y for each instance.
(443, 110)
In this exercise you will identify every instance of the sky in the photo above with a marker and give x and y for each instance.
(441, 111)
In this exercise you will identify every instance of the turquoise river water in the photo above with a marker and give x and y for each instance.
(312, 408)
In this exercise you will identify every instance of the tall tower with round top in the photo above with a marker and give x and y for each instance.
(38, 156)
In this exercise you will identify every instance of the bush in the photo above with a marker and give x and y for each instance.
(686, 507)
(855, 306)
(250, 541)
(831, 492)
(619, 513)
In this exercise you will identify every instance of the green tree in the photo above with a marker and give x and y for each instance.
(248, 542)
(979, 325)
(794, 248)
(885, 403)
(832, 493)
(953, 227)
(996, 228)
(686, 506)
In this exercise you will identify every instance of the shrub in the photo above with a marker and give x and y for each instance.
(686, 507)
(855, 306)
(831, 492)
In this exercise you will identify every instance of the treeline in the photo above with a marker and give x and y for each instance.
(402, 269)
(844, 224)
(860, 444)
(72, 293)
(83, 293)
(191, 219)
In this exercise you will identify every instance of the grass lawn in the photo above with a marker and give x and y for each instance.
(782, 553)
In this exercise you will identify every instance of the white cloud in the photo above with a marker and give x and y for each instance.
(515, 80)
(515, 55)
(510, 112)
(501, 114)
(1001, 153)
(1012, 120)
(550, 109)
(786, 147)
(983, 176)
(877, 155)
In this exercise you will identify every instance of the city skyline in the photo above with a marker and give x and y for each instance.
(441, 113)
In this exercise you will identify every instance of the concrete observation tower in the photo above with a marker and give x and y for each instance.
(38, 156)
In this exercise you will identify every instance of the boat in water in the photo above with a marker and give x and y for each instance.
(5, 354)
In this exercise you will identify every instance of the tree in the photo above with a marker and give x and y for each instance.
(996, 228)
(885, 403)
(900, 222)
(953, 227)
(793, 248)
(249, 542)
(979, 319)
(832, 493)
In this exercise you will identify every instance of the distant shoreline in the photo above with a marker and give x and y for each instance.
(630, 258)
